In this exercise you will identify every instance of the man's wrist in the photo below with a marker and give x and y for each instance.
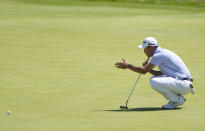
(129, 66)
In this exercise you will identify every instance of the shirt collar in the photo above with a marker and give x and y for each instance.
(157, 50)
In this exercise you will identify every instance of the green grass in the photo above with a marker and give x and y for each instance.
(57, 65)
(194, 3)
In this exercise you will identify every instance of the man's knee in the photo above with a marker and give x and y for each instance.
(154, 82)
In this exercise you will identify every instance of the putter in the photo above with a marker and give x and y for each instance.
(125, 107)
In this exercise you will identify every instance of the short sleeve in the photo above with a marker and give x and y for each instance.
(157, 59)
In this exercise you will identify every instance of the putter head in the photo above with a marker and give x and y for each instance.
(123, 107)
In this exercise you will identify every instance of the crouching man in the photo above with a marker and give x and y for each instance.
(173, 80)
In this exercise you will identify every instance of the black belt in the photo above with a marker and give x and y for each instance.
(189, 79)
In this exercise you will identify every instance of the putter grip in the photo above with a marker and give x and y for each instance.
(146, 61)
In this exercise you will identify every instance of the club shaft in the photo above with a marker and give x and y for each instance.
(136, 83)
(133, 88)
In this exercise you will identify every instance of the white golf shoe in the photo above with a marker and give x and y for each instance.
(173, 105)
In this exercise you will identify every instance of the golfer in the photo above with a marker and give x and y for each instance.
(173, 80)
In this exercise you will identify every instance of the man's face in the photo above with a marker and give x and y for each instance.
(149, 51)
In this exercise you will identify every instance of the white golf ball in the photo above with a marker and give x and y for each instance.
(9, 112)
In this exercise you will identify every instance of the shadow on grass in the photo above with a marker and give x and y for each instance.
(141, 109)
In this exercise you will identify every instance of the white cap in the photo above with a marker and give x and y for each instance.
(149, 41)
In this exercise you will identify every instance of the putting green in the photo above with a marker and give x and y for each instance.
(57, 65)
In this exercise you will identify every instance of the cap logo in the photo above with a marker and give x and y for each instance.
(148, 43)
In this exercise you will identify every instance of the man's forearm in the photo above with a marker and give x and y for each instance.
(156, 73)
(136, 69)
(143, 70)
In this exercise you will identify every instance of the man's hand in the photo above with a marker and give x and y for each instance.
(146, 62)
(122, 65)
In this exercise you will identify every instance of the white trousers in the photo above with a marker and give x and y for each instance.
(169, 87)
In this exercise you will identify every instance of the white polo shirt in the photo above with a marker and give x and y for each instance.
(170, 64)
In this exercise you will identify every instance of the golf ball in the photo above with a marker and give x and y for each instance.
(9, 112)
